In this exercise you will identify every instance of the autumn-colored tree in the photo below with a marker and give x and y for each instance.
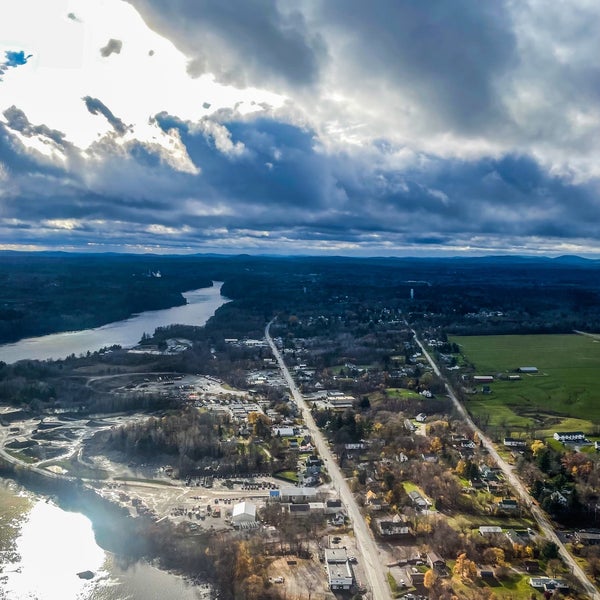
(537, 446)
(429, 579)
(493, 556)
(465, 568)
(436, 445)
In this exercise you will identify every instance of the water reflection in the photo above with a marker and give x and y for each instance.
(55, 545)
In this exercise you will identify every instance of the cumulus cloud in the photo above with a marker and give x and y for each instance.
(95, 107)
(112, 47)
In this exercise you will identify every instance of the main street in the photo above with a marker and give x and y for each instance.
(373, 564)
(540, 517)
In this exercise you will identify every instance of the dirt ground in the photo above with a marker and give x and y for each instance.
(304, 579)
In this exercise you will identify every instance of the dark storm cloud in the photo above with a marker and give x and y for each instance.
(281, 192)
(303, 187)
(447, 56)
(112, 47)
(95, 107)
(245, 42)
(12, 59)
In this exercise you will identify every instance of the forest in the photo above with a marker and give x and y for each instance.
(44, 293)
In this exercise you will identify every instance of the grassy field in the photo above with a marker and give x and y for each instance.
(563, 395)
(13, 510)
(402, 393)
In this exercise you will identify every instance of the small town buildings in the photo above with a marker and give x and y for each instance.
(339, 572)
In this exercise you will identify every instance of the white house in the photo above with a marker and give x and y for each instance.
(570, 436)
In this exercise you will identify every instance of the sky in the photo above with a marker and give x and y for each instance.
(345, 127)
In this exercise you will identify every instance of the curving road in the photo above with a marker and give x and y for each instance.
(542, 520)
(374, 567)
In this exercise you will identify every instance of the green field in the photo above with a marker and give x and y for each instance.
(563, 395)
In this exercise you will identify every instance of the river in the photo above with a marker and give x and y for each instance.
(44, 548)
(201, 305)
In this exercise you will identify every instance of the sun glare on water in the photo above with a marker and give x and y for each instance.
(53, 546)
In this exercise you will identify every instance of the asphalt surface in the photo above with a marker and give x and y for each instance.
(542, 520)
(373, 562)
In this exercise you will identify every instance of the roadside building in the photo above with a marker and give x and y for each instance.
(588, 537)
(297, 495)
(339, 572)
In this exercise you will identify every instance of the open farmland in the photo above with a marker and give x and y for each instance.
(563, 395)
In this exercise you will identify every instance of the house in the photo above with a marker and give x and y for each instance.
(435, 561)
(409, 425)
(421, 418)
(430, 458)
(243, 513)
(373, 501)
(548, 584)
(570, 437)
(518, 537)
(333, 506)
(483, 378)
(394, 528)
(339, 572)
(507, 504)
(283, 432)
(528, 369)
(418, 500)
(514, 443)
(486, 572)
(407, 555)
(489, 530)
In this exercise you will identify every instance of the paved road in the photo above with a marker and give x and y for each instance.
(540, 517)
(375, 568)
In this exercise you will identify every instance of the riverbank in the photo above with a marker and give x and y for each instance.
(199, 306)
